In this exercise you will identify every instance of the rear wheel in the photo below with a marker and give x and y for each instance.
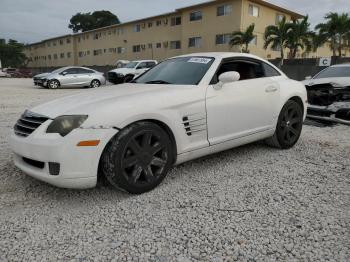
(53, 84)
(138, 158)
(289, 126)
(95, 83)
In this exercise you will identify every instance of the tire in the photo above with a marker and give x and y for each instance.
(289, 126)
(53, 84)
(95, 83)
(138, 158)
(128, 78)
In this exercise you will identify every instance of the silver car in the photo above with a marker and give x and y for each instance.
(71, 76)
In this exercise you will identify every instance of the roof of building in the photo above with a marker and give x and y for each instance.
(294, 14)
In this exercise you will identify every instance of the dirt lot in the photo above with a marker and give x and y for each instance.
(251, 203)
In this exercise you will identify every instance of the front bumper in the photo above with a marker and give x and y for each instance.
(40, 82)
(78, 166)
(335, 113)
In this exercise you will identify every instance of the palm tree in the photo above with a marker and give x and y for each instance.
(276, 36)
(299, 36)
(334, 31)
(239, 38)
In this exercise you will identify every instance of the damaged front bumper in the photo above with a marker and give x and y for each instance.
(337, 112)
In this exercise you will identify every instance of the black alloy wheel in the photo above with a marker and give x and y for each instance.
(289, 126)
(138, 158)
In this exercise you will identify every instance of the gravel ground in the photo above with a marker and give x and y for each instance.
(250, 203)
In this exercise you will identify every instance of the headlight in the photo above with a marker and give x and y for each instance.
(63, 125)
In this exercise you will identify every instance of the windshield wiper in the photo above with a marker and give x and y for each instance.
(158, 82)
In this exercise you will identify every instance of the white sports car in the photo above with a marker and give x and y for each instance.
(184, 108)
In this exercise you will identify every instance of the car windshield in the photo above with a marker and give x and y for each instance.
(131, 65)
(177, 71)
(343, 71)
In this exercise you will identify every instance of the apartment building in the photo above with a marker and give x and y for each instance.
(199, 28)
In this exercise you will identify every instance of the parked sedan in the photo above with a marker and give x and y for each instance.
(70, 77)
(184, 108)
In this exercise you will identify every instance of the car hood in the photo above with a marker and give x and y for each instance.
(42, 75)
(122, 70)
(128, 97)
(339, 81)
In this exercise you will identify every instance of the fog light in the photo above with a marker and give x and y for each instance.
(54, 169)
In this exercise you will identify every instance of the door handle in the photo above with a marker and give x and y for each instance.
(271, 89)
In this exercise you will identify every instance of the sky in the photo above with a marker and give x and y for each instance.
(30, 21)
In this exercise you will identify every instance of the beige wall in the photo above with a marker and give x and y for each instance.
(82, 45)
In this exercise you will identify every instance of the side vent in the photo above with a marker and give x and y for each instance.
(195, 123)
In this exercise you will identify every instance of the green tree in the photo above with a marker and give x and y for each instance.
(299, 36)
(334, 30)
(11, 54)
(82, 22)
(276, 36)
(243, 38)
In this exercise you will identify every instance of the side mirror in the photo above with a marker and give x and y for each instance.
(308, 78)
(228, 77)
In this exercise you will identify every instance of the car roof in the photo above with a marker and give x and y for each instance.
(138, 61)
(222, 55)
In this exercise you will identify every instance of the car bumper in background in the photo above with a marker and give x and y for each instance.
(338, 113)
(58, 160)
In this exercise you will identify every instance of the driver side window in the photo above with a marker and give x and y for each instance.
(70, 71)
(247, 70)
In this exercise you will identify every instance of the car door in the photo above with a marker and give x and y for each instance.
(244, 107)
(85, 76)
(69, 77)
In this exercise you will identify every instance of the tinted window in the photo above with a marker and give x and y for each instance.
(334, 72)
(85, 71)
(246, 69)
(270, 71)
(180, 71)
(71, 71)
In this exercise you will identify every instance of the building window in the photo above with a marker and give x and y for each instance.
(49, 57)
(159, 45)
(48, 44)
(112, 50)
(175, 21)
(62, 55)
(150, 46)
(195, 16)
(175, 45)
(54, 43)
(223, 39)
(279, 18)
(137, 28)
(150, 24)
(276, 48)
(81, 54)
(61, 42)
(254, 41)
(159, 22)
(97, 52)
(68, 40)
(96, 36)
(120, 31)
(69, 54)
(136, 48)
(195, 42)
(253, 10)
(224, 10)
(55, 56)
(121, 50)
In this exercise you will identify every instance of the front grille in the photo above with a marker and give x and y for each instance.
(115, 78)
(34, 163)
(28, 123)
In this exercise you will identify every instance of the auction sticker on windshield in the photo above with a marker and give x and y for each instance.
(199, 60)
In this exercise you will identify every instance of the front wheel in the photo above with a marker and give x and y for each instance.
(95, 83)
(289, 126)
(138, 158)
(53, 84)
